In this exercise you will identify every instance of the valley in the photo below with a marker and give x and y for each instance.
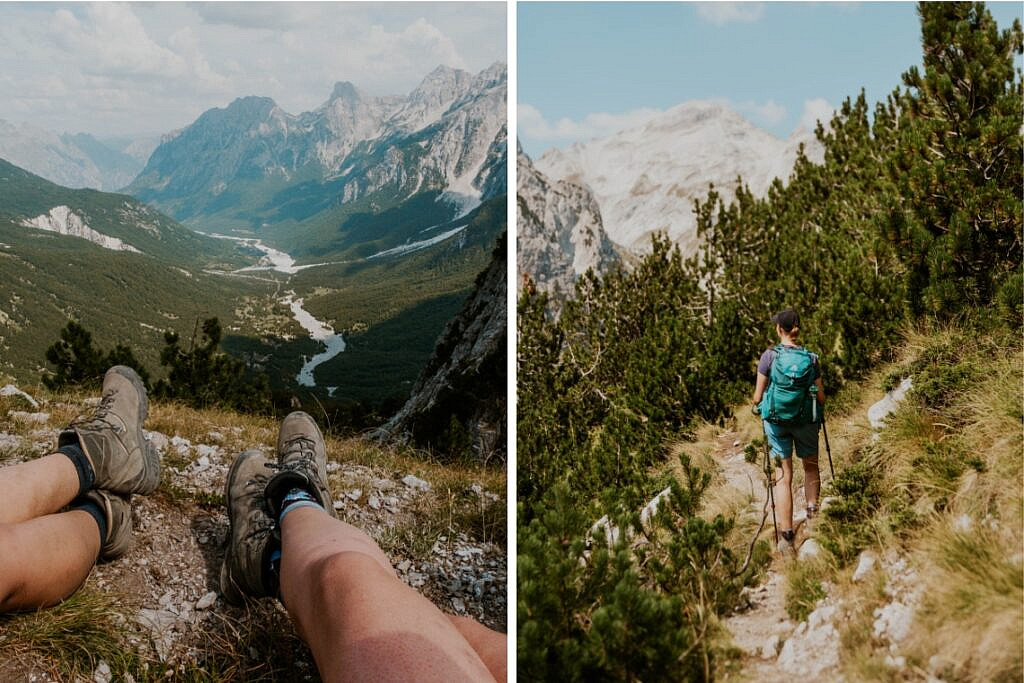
(334, 245)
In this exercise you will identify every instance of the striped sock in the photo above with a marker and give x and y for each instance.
(297, 498)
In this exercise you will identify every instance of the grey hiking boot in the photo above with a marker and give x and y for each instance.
(246, 569)
(787, 545)
(122, 460)
(118, 514)
(301, 463)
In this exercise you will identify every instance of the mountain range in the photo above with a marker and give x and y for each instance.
(646, 178)
(75, 160)
(252, 166)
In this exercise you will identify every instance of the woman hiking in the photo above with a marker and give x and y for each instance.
(790, 398)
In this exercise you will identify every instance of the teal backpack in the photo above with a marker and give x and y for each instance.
(791, 397)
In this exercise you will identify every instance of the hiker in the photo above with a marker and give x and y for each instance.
(359, 619)
(67, 510)
(790, 399)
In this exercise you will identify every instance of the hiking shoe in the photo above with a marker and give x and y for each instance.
(301, 463)
(118, 513)
(122, 460)
(246, 568)
(787, 545)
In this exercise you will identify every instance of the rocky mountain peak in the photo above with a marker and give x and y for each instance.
(344, 90)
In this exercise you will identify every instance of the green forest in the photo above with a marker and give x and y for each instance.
(914, 218)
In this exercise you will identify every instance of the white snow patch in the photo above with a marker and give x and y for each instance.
(416, 246)
(64, 221)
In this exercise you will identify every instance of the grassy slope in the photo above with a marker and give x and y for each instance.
(941, 486)
(98, 623)
(119, 296)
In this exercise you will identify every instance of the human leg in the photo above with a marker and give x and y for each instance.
(46, 559)
(805, 440)
(360, 621)
(36, 488)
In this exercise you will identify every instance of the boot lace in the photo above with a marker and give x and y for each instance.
(98, 418)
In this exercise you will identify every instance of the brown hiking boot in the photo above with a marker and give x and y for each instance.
(122, 460)
(118, 513)
(246, 569)
(301, 463)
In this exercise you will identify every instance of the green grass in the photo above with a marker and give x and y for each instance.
(70, 638)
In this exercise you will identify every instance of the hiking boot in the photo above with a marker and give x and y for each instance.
(118, 513)
(301, 463)
(122, 460)
(787, 545)
(246, 568)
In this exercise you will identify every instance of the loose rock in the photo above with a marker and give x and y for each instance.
(864, 566)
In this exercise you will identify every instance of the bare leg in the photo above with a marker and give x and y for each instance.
(488, 643)
(36, 488)
(45, 560)
(812, 481)
(784, 495)
(360, 621)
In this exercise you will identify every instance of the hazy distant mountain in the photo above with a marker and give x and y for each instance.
(253, 163)
(560, 232)
(74, 160)
(646, 178)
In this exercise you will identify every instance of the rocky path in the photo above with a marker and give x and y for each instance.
(775, 647)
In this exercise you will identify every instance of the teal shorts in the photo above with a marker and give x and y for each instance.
(782, 438)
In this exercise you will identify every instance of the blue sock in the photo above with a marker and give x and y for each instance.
(97, 514)
(297, 498)
(86, 476)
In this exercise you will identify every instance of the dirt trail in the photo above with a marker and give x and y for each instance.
(761, 624)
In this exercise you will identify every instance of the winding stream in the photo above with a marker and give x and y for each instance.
(318, 330)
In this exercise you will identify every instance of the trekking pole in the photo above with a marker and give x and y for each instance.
(769, 481)
(824, 430)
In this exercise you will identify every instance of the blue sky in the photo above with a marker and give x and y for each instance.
(588, 69)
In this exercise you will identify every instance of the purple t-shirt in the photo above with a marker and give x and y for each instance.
(764, 366)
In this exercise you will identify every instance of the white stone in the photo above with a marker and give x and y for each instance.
(414, 482)
(22, 416)
(11, 390)
(736, 443)
(770, 647)
(813, 649)
(216, 437)
(354, 494)
(374, 502)
(652, 506)
(207, 600)
(962, 523)
(896, 662)
(102, 674)
(181, 444)
(809, 550)
(894, 621)
(881, 410)
(9, 442)
(159, 441)
(207, 452)
(864, 566)
(459, 605)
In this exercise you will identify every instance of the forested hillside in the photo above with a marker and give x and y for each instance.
(913, 220)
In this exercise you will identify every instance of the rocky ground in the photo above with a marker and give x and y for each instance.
(167, 585)
(775, 647)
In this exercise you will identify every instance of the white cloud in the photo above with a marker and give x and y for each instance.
(532, 123)
(815, 110)
(115, 68)
(768, 113)
(721, 13)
